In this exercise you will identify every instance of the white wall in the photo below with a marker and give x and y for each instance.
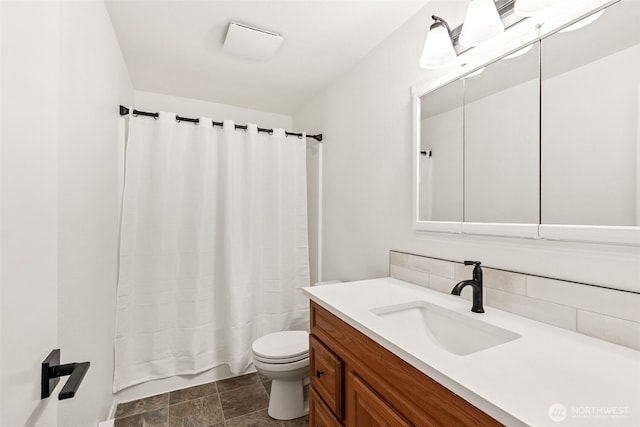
(29, 171)
(94, 81)
(366, 118)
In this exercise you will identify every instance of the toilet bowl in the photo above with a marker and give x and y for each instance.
(283, 357)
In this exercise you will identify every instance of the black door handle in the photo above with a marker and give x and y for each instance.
(319, 373)
(52, 370)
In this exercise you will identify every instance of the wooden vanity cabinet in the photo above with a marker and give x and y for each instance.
(356, 382)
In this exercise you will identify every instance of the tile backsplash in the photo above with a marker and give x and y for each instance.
(603, 313)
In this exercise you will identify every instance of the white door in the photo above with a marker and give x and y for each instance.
(29, 75)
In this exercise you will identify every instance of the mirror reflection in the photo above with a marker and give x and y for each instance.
(590, 134)
(441, 154)
(501, 141)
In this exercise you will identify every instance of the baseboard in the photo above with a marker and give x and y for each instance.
(109, 422)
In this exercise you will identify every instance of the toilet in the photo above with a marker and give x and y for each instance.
(283, 357)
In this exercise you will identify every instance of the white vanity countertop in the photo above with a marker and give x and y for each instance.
(597, 382)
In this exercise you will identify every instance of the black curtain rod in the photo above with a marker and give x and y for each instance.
(124, 111)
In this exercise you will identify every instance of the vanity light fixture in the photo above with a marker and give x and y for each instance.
(443, 43)
(531, 7)
(583, 22)
(438, 46)
(481, 23)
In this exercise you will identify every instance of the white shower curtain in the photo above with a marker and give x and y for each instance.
(213, 246)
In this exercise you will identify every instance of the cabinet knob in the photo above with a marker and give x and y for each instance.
(319, 373)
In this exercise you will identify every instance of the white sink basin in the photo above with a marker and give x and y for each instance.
(456, 333)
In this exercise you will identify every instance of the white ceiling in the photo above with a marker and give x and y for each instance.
(175, 47)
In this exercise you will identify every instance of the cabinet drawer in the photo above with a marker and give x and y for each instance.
(327, 375)
(319, 414)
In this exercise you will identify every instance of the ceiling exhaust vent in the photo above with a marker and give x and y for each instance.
(252, 43)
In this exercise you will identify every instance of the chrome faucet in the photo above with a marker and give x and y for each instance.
(476, 285)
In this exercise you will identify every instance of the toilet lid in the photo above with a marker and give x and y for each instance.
(282, 345)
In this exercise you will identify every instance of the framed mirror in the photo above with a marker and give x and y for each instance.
(550, 135)
(590, 128)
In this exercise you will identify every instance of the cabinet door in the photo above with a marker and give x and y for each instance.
(326, 375)
(319, 414)
(366, 409)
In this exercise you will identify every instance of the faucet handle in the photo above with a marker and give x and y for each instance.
(477, 263)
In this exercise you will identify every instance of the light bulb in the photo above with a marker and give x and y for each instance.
(438, 48)
(481, 23)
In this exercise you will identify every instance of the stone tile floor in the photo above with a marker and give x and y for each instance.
(234, 402)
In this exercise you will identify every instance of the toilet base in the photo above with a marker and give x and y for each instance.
(287, 400)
